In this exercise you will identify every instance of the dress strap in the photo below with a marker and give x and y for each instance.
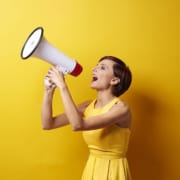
(108, 106)
(91, 111)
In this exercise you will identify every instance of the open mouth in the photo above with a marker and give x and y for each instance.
(94, 78)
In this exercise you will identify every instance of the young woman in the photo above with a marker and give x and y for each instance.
(105, 121)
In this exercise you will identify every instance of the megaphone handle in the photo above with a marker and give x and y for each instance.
(62, 69)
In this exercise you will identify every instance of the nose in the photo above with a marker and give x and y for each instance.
(95, 69)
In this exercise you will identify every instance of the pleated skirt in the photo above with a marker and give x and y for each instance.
(98, 168)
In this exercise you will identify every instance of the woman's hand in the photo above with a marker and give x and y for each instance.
(56, 77)
(49, 85)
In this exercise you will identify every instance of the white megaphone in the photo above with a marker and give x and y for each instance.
(37, 46)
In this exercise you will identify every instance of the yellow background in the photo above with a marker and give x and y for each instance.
(145, 34)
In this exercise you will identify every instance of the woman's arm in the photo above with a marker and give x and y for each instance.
(48, 121)
(118, 114)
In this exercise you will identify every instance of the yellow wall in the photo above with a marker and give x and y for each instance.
(143, 33)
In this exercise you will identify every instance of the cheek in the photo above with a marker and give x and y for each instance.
(105, 80)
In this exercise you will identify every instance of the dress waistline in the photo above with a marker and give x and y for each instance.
(106, 154)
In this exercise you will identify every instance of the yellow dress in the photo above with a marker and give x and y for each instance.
(107, 147)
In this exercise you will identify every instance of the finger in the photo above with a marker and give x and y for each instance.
(47, 83)
(50, 71)
(53, 85)
(55, 69)
(48, 77)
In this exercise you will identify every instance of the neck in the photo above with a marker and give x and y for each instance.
(103, 97)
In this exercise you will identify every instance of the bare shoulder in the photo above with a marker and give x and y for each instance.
(121, 108)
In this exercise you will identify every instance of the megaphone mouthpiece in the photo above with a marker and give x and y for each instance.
(77, 70)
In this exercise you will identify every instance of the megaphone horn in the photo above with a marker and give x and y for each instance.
(37, 46)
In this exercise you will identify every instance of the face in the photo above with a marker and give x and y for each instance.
(103, 76)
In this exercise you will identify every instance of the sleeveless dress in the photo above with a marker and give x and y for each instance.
(107, 147)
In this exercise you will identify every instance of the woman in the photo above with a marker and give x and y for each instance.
(105, 121)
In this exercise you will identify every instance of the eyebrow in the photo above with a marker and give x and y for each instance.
(104, 65)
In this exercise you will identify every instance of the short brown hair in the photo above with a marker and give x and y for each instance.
(122, 72)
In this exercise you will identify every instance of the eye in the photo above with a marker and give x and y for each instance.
(102, 67)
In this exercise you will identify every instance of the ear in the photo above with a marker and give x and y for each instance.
(114, 81)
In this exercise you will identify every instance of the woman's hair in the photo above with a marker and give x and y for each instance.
(122, 72)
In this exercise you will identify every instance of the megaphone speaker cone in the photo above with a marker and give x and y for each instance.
(32, 43)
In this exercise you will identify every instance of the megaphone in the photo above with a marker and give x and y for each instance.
(37, 46)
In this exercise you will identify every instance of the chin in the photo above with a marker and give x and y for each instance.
(93, 86)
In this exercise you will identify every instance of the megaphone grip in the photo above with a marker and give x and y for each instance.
(77, 70)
